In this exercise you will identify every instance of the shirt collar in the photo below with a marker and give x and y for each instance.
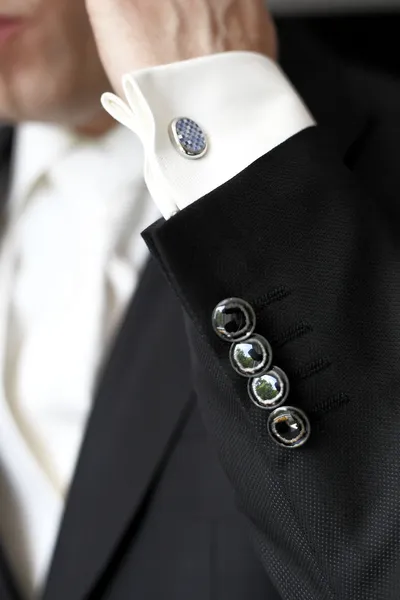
(37, 146)
(87, 162)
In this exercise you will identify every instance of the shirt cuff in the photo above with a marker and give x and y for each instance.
(243, 103)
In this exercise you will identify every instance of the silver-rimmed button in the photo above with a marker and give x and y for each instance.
(252, 356)
(233, 320)
(188, 137)
(270, 390)
(289, 426)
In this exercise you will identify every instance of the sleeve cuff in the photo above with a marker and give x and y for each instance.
(241, 100)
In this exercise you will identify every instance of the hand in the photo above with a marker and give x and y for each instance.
(135, 34)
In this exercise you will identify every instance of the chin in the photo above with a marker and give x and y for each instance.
(52, 105)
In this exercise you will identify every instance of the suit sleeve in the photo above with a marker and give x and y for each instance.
(296, 236)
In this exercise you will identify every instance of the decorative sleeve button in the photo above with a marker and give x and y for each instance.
(289, 426)
(251, 357)
(250, 354)
(270, 390)
(233, 320)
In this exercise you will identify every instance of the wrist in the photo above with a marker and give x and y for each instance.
(132, 36)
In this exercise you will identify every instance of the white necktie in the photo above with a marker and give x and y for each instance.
(77, 257)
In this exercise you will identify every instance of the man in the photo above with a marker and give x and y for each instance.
(151, 447)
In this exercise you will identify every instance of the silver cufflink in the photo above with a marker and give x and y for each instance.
(188, 138)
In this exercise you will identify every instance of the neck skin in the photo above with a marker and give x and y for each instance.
(98, 126)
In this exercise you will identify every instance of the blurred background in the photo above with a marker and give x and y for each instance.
(365, 32)
(329, 6)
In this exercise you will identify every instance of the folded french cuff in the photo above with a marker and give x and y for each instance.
(241, 103)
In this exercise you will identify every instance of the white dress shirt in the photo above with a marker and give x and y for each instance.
(72, 256)
(68, 266)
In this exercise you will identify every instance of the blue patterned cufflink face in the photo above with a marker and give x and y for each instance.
(188, 138)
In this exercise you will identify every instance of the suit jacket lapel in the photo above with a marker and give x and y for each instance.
(140, 404)
(8, 590)
(6, 146)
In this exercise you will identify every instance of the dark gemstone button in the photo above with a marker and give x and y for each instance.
(233, 320)
(289, 426)
(252, 356)
(269, 390)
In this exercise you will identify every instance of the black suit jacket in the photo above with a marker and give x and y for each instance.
(180, 492)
